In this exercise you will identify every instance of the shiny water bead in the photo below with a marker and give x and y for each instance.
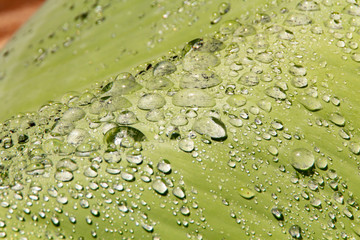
(67, 163)
(297, 19)
(354, 147)
(109, 104)
(64, 175)
(264, 105)
(36, 168)
(185, 211)
(352, 9)
(127, 118)
(186, 144)
(249, 79)
(86, 99)
(337, 119)
(197, 60)
(164, 68)
(155, 115)
(245, 30)
(160, 187)
(224, 8)
(206, 44)
(151, 101)
(308, 5)
(193, 98)
(322, 163)
(210, 126)
(246, 192)
(310, 103)
(302, 159)
(159, 83)
(179, 192)
(265, 57)
(62, 128)
(124, 84)
(116, 135)
(276, 93)
(295, 231)
(179, 120)
(73, 114)
(277, 213)
(229, 27)
(297, 70)
(236, 100)
(299, 82)
(77, 136)
(200, 79)
(90, 172)
(164, 166)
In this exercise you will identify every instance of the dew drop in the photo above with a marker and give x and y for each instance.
(302, 159)
(246, 193)
(193, 98)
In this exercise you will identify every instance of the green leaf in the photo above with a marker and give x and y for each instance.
(249, 131)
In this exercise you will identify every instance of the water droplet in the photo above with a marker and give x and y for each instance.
(90, 172)
(299, 82)
(73, 114)
(151, 101)
(164, 166)
(236, 100)
(228, 27)
(352, 9)
(159, 83)
(193, 98)
(277, 213)
(200, 79)
(295, 231)
(185, 211)
(129, 177)
(116, 135)
(246, 193)
(126, 118)
(249, 79)
(62, 128)
(322, 163)
(197, 60)
(224, 8)
(77, 136)
(186, 144)
(273, 150)
(160, 187)
(276, 93)
(179, 192)
(212, 127)
(311, 103)
(264, 105)
(297, 19)
(302, 159)
(264, 57)
(124, 84)
(337, 119)
(308, 5)
(164, 68)
(355, 147)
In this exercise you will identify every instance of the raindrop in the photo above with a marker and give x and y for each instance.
(160, 187)
(246, 193)
(302, 159)
(212, 127)
(200, 79)
(193, 98)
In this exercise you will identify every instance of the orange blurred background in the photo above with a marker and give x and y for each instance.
(13, 13)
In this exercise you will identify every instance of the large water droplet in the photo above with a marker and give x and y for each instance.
(160, 187)
(308, 5)
(249, 79)
(297, 19)
(302, 159)
(337, 119)
(151, 101)
(164, 68)
(276, 93)
(212, 127)
(246, 192)
(200, 79)
(311, 103)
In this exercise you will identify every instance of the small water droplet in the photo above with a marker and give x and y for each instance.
(302, 159)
